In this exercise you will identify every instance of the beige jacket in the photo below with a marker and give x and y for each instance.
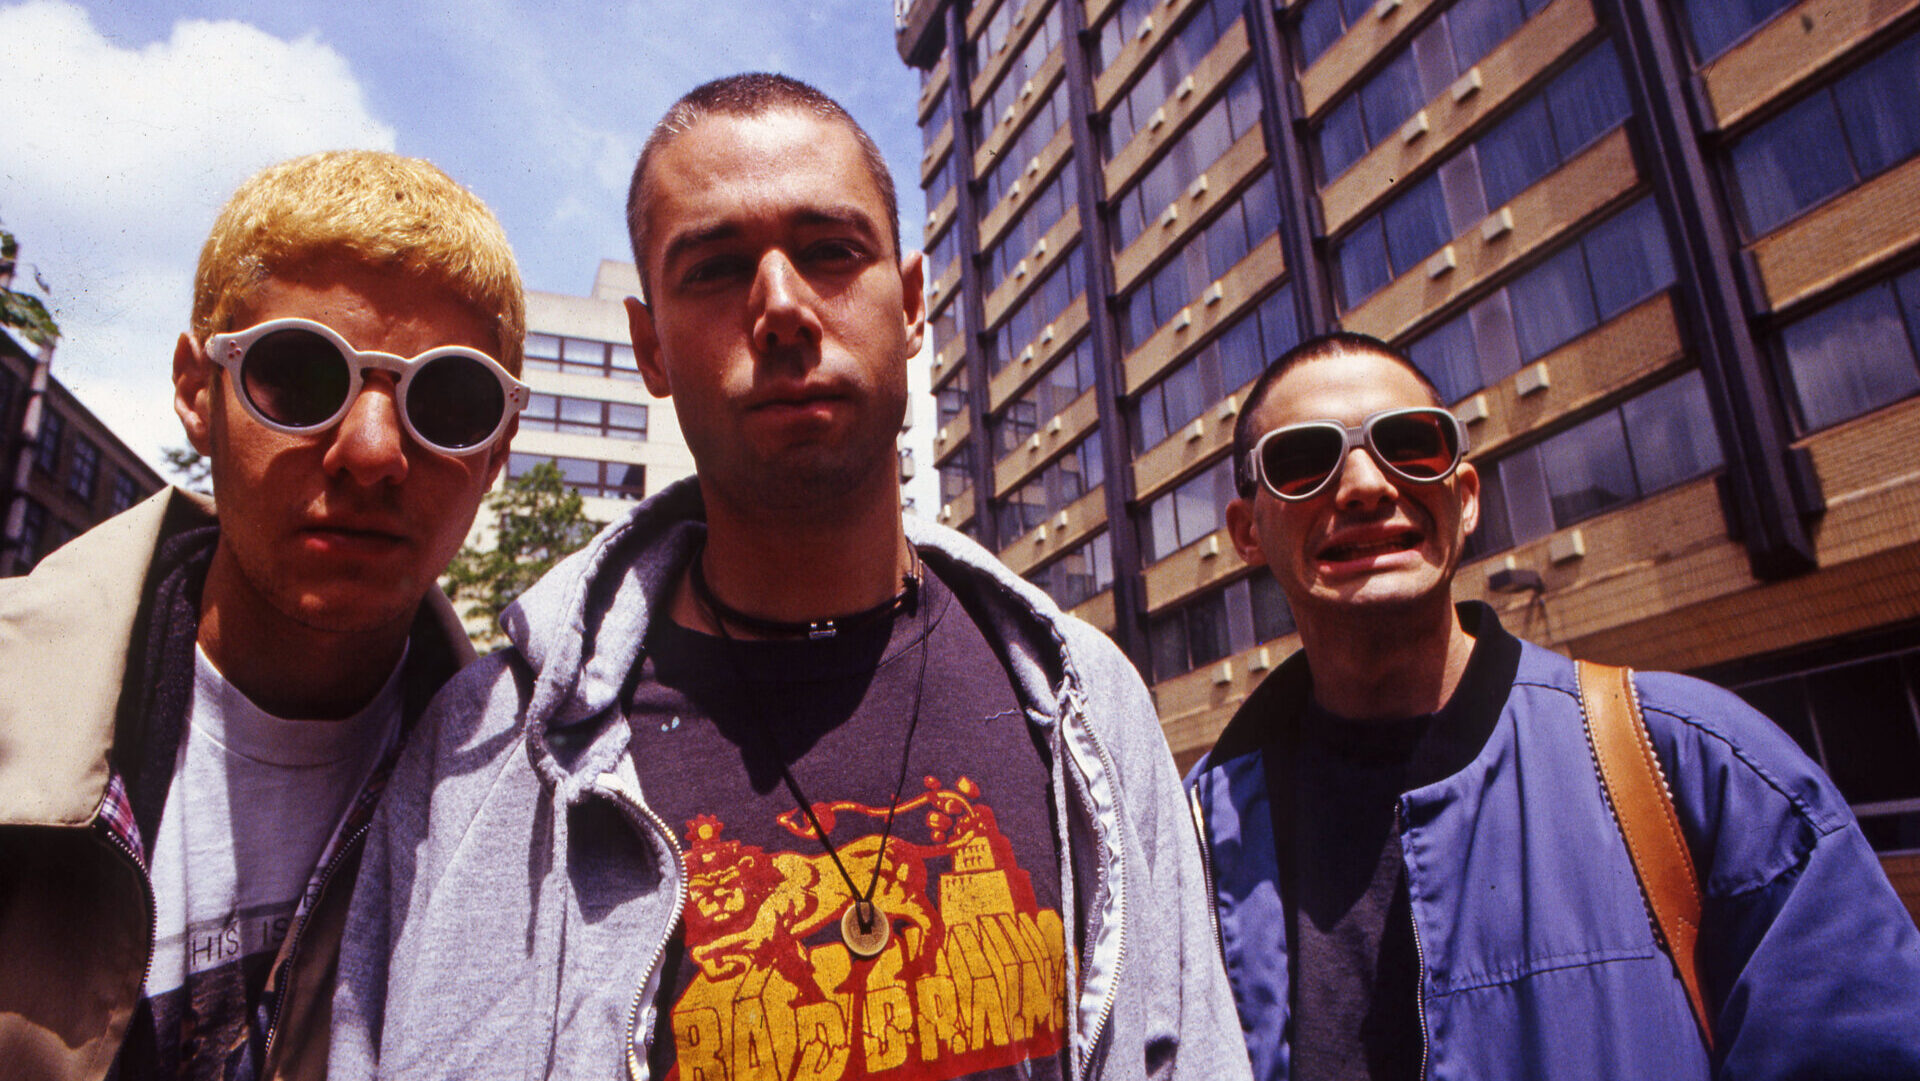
(76, 925)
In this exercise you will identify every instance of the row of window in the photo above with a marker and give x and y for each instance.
(1192, 509)
(1233, 115)
(581, 356)
(1065, 379)
(1846, 132)
(1033, 56)
(584, 416)
(1217, 624)
(1181, 54)
(1084, 572)
(1048, 118)
(1583, 103)
(1058, 289)
(1203, 258)
(1610, 268)
(588, 476)
(1422, 69)
(1857, 354)
(1059, 198)
(1232, 360)
(1079, 471)
(993, 34)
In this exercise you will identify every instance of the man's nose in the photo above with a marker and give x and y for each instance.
(1362, 483)
(370, 444)
(783, 306)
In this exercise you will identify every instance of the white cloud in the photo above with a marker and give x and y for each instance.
(114, 160)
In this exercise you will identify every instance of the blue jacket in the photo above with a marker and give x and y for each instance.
(1538, 959)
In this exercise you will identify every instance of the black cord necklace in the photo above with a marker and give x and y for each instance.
(865, 927)
(724, 613)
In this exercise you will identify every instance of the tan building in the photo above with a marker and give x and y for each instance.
(1657, 255)
(614, 442)
(64, 471)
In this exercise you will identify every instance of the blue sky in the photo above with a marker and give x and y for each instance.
(130, 123)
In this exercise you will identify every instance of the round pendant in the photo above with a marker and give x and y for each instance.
(865, 937)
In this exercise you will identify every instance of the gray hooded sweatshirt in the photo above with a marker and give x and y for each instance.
(518, 895)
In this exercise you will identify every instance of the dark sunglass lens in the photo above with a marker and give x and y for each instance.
(455, 402)
(1296, 462)
(1419, 445)
(295, 378)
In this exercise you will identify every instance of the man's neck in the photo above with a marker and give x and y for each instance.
(792, 568)
(1383, 666)
(285, 667)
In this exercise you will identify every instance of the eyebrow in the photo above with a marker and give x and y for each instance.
(845, 215)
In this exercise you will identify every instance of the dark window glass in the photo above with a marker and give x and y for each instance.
(1878, 758)
(126, 491)
(1321, 25)
(1119, 28)
(1877, 106)
(1588, 100)
(1518, 151)
(33, 532)
(1236, 113)
(1717, 24)
(1190, 511)
(1416, 224)
(46, 449)
(83, 467)
(1476, 26)
(1390, 97)
(1633, 255)
(1361, 257)
(1852, 357)
(1670, 429)
(1343, 139)
(1777, 175)
(1587, 469)
(1552, 303)
(1153, 86)
(588, 476)
(1447, 356)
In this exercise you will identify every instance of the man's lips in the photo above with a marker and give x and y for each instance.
(351, 536)
(1372, 544)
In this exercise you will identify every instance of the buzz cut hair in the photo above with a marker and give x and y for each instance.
(748, 95)
(1340, 343)
(370, 207)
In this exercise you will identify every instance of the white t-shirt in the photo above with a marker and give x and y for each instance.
(254, 801)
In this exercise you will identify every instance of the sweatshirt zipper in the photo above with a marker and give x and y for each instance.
(636, 1068)
(1206, 869)
(349, 845)
(1118, 890)
(1419, 951)
(146, 894)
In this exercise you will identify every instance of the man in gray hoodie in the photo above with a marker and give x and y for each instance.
(772, 782)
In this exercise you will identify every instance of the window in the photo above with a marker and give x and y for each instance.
(1856, 355)
(993, 34)
(1420, 71)
(1233, 115)
(126, 491)
(1217, 624)
(1576, 108)
(1041, 125)
(1066, 281)
(581, 356)
(1119, 28)
(46, 448)
(950, 399)
(956, 473)
(1322, 22)
(1000, 100)
(83, 467)
(1202, 258)
(1067, 478)
(584, 416)
(9, 385)
(33, 532)
(1178, 56)
(1851, 705)
(949, 324)
(588, 476)
(1232, 360)
(1615, 265)
(1193, 509)
(1065, 380)
(1650, 442)
(1086, 570)
(1042, 212)
(1858, 127)
(941, 182)
(1716, 24)
(936, 121)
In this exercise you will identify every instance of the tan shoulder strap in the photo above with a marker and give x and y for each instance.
(1643, 807)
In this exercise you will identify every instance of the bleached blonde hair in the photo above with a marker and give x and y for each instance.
(368, 207)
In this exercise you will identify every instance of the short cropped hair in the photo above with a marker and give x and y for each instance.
(1320, 347)
(748, 95)
(368, 207)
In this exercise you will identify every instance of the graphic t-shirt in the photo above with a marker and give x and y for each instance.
(254, 801)
(761, 983)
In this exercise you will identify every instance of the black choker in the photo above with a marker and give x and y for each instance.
(808, 628)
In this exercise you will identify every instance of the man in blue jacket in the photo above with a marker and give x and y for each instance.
(1416, 872)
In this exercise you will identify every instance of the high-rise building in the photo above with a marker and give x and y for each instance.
(589, 412)
(1659, 256)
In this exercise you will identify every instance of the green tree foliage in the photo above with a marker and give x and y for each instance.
(540, 521)
(23, 311)
(193, 468)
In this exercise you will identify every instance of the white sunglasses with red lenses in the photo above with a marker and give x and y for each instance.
(299, 376)
(1422, 445)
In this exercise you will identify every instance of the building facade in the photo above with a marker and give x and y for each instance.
(1656, 255)
(589, 412)
(64, 471)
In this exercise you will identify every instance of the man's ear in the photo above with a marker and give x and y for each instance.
(646, 348)
(193, 391)
(913, 283)
(1245, 532)
(1466, 482)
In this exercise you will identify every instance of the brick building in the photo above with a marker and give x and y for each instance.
(61, 470)
(1657, 255)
